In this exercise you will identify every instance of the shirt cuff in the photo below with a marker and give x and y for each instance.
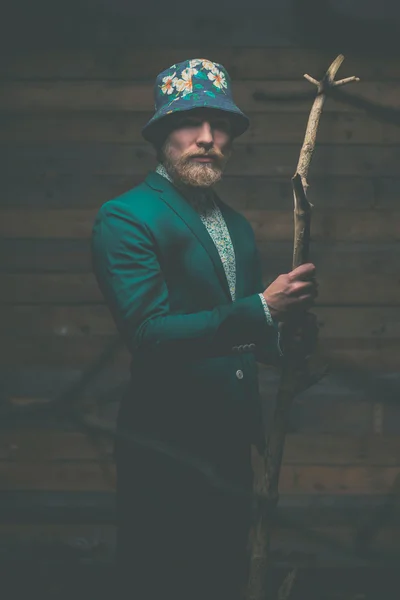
(271, 322)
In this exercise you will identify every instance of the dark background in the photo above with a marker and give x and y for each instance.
(75, 89)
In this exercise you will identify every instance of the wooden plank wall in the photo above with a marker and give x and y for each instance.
(70, 121)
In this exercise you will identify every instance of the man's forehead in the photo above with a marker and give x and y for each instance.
(204, 113)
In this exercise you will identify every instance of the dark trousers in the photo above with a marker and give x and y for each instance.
(179, 536)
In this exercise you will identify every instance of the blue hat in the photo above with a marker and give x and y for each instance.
(196, 83)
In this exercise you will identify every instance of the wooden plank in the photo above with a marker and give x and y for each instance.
(62, 191)
(329, 547)
(331, 257)
(336, 322)
(70, 544)
(63, 476)
(80, 351)
(146, 61)
(250, 96)
(323, 412)
(81, 288)
(100, 476)
(296, 511)
(45, 255)
(372, 322)
(53, 351)
(361, 289)
(337, 192)
(330, 225)
(83, 508)
(268, 225)
(331, 526)
(56, 320)
(273, 193)
(330, 407)
(48, 533)
(34, 224)
(248, 160)
(50, 288)
(341, 403)
(320, 546)
(342, 450)
(367, 353)
(123, 127)
(113, 29)
(317, 547)
(338, 480)
(59, 255)
(43, 445)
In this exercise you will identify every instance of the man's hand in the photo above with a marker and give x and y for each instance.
(292, 294)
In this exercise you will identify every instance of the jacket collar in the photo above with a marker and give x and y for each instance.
(171, 196)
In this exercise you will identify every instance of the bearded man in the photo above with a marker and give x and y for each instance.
(181, 274)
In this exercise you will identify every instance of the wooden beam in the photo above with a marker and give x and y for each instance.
(86, 191)
(66, 255)
(145, 62)
(100, 476)
(79, 351)
(252, 95)
(255, 160)
(362, 289)
(268, 225)
(319, 547)
(40, 445)
(345, 323)
(125, 127)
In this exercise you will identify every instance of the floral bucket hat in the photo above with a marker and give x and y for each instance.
(196, 83)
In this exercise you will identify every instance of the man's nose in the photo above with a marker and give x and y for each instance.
(205, 137)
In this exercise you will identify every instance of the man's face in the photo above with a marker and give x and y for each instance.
(197, 149)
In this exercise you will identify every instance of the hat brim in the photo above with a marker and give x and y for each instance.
(240, 122)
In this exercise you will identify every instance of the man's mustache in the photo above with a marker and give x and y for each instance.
(205, 154)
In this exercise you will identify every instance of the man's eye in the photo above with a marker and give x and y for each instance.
(221, 125)
(189, 123)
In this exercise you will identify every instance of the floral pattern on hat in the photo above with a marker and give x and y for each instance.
(167, 86)
(191, 79)
(218, 78)
(194, 83)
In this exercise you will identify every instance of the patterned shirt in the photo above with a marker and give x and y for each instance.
(214, 222)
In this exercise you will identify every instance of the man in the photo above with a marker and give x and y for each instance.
(181, 274)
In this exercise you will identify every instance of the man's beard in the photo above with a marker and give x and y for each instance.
(187, 172)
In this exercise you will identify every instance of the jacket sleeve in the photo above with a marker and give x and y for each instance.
(127, 269)
(269, 350)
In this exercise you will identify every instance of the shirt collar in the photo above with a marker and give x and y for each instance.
(161, 170)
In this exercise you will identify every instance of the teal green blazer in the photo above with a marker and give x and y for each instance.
(194, 351)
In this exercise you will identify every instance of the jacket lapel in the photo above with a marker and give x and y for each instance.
(183, 209)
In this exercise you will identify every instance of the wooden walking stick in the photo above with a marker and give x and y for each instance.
(294, 367)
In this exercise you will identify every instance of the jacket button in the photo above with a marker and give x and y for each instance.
(239, 374)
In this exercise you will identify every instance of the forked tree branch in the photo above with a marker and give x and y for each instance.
(294, 366)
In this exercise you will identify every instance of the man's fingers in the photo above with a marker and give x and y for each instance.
(304, 287)
(304, 272)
